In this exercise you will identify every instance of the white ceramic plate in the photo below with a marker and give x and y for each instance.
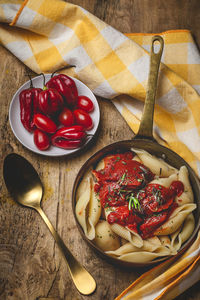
(26, 138)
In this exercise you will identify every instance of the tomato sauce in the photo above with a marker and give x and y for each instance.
(123, 169)
(124, 185)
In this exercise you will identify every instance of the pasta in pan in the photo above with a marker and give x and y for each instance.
(136, 207)
(183, 233)
(88, 209)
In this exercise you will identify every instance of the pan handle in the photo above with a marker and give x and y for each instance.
(146, 125)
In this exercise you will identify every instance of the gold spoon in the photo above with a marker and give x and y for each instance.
(25, 186)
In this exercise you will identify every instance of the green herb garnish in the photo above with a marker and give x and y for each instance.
(124, 191)
(139, 180)
(133, 203)
(122, 178)
(143, 169)
(108, 208)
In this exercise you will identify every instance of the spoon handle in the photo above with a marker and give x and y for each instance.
(82, 279)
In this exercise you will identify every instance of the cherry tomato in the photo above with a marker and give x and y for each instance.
(44, 123)
(83, 118)
(41, 140)
(85, 103)
(66, 117)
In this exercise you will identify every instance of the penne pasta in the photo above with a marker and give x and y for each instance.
(105, 238)
(136, 158)
(166, 182)
(125, 233)
(143, 256)
(187, 195)
(88, 209)
(129, 247)
(176, 219)
(157, 165)
(81, 206)
(183, 233)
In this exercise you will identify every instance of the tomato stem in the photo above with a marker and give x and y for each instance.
(65, 67)
(43, 80)
(30, 79)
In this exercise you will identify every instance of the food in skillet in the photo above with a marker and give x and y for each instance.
(136, 207)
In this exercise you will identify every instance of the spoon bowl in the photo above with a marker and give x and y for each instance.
(22, 181)
(25, 186)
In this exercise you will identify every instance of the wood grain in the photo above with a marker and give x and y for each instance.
(30, 265)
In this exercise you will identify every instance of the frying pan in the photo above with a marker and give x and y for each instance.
(143, 140)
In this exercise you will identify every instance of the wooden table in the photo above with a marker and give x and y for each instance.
(30, 265)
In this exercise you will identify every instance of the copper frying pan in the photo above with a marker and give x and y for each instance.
(144, 140)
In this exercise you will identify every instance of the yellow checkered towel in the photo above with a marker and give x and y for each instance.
(49, 34)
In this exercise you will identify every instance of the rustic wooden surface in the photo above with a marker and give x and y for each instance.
(30, 265)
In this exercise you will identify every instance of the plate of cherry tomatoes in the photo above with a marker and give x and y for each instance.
(54, 114)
